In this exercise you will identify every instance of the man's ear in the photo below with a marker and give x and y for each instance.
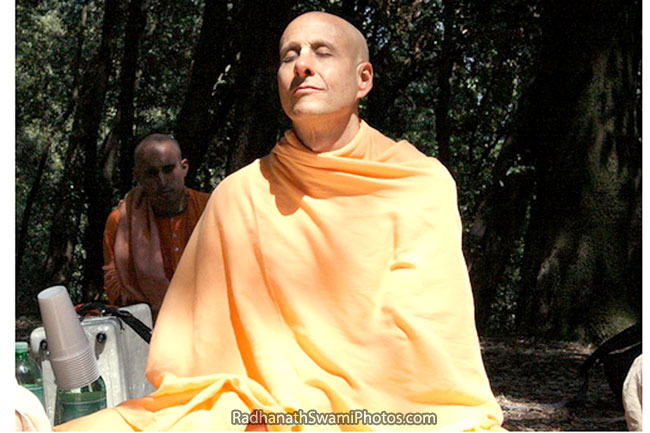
(185, 165)
(365, 74)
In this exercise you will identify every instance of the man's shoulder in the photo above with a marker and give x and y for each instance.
(198, 200)
(428, 167)
(241, 179)
(238, 185)
(403, 152)
(199, 196)
(392, 150)
(234, 194)
(112, 222)
(198, 193)
(114, 215)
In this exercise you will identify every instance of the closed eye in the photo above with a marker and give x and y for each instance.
(288, 55)
(323, 52)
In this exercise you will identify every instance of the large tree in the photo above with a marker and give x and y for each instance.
(577, 140)
(197, 118)
(122, 136)
(257, 118)
(85, 136)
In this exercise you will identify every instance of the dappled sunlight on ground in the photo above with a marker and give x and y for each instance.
(534, 380)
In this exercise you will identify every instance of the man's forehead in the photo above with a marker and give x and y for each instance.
(157, 152)
(317, 26)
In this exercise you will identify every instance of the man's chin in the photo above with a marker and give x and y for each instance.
(164, 205)
(308, 111)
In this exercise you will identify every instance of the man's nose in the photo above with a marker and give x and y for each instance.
(161, 178)
(304, 65)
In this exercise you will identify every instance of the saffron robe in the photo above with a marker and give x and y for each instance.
(329, 281)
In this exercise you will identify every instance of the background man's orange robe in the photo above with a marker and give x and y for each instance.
(173, 233)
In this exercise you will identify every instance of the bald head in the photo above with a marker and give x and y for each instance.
(323, 73)
(161, 172)
(153, 140)
(356, 40)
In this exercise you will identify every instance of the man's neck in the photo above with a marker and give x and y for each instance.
(324, 136)
(174, 208)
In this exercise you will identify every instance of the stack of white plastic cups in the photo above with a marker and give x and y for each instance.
(71, 354)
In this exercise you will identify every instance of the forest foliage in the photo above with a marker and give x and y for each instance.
(462, 80)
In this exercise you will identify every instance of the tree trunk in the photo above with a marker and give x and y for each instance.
(81, 168)
(577, 127)
(135, 24)
(211, 55)
(445, 68)
(58, 261)
(33, 195)
(581, 267)
(496, 229)
(85, 136)
(257, 116)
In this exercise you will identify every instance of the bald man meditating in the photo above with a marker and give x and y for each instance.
(146, 234)
(324, 288)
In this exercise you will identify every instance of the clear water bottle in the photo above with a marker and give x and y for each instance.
(28, 374)
(78, 402)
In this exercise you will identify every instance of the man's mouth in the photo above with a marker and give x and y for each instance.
(305, 89)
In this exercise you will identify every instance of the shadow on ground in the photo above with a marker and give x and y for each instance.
(533, 380)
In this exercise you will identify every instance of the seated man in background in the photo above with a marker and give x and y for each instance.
(324, 287)
(146, 234)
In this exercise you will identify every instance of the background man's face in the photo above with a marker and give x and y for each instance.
(317, 74)
(161, 172)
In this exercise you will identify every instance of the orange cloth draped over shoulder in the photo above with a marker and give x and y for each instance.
(331, 282)
(142, 250)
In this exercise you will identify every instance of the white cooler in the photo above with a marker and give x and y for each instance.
(121, 357)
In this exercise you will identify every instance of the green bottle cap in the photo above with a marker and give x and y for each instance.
(21, 346)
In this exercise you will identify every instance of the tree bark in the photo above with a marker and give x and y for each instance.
(85, 136)
(62, 231)
(497, 227)
(258, 118)
(212, 54)
(32, 196)
(582, 257)
(135, 24)
(445, 68)
(577, 126)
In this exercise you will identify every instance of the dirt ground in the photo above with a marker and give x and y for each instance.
(531, 380)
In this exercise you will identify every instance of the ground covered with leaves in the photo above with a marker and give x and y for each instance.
(533, 382)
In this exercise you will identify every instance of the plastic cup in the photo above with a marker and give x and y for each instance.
(71, 354)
